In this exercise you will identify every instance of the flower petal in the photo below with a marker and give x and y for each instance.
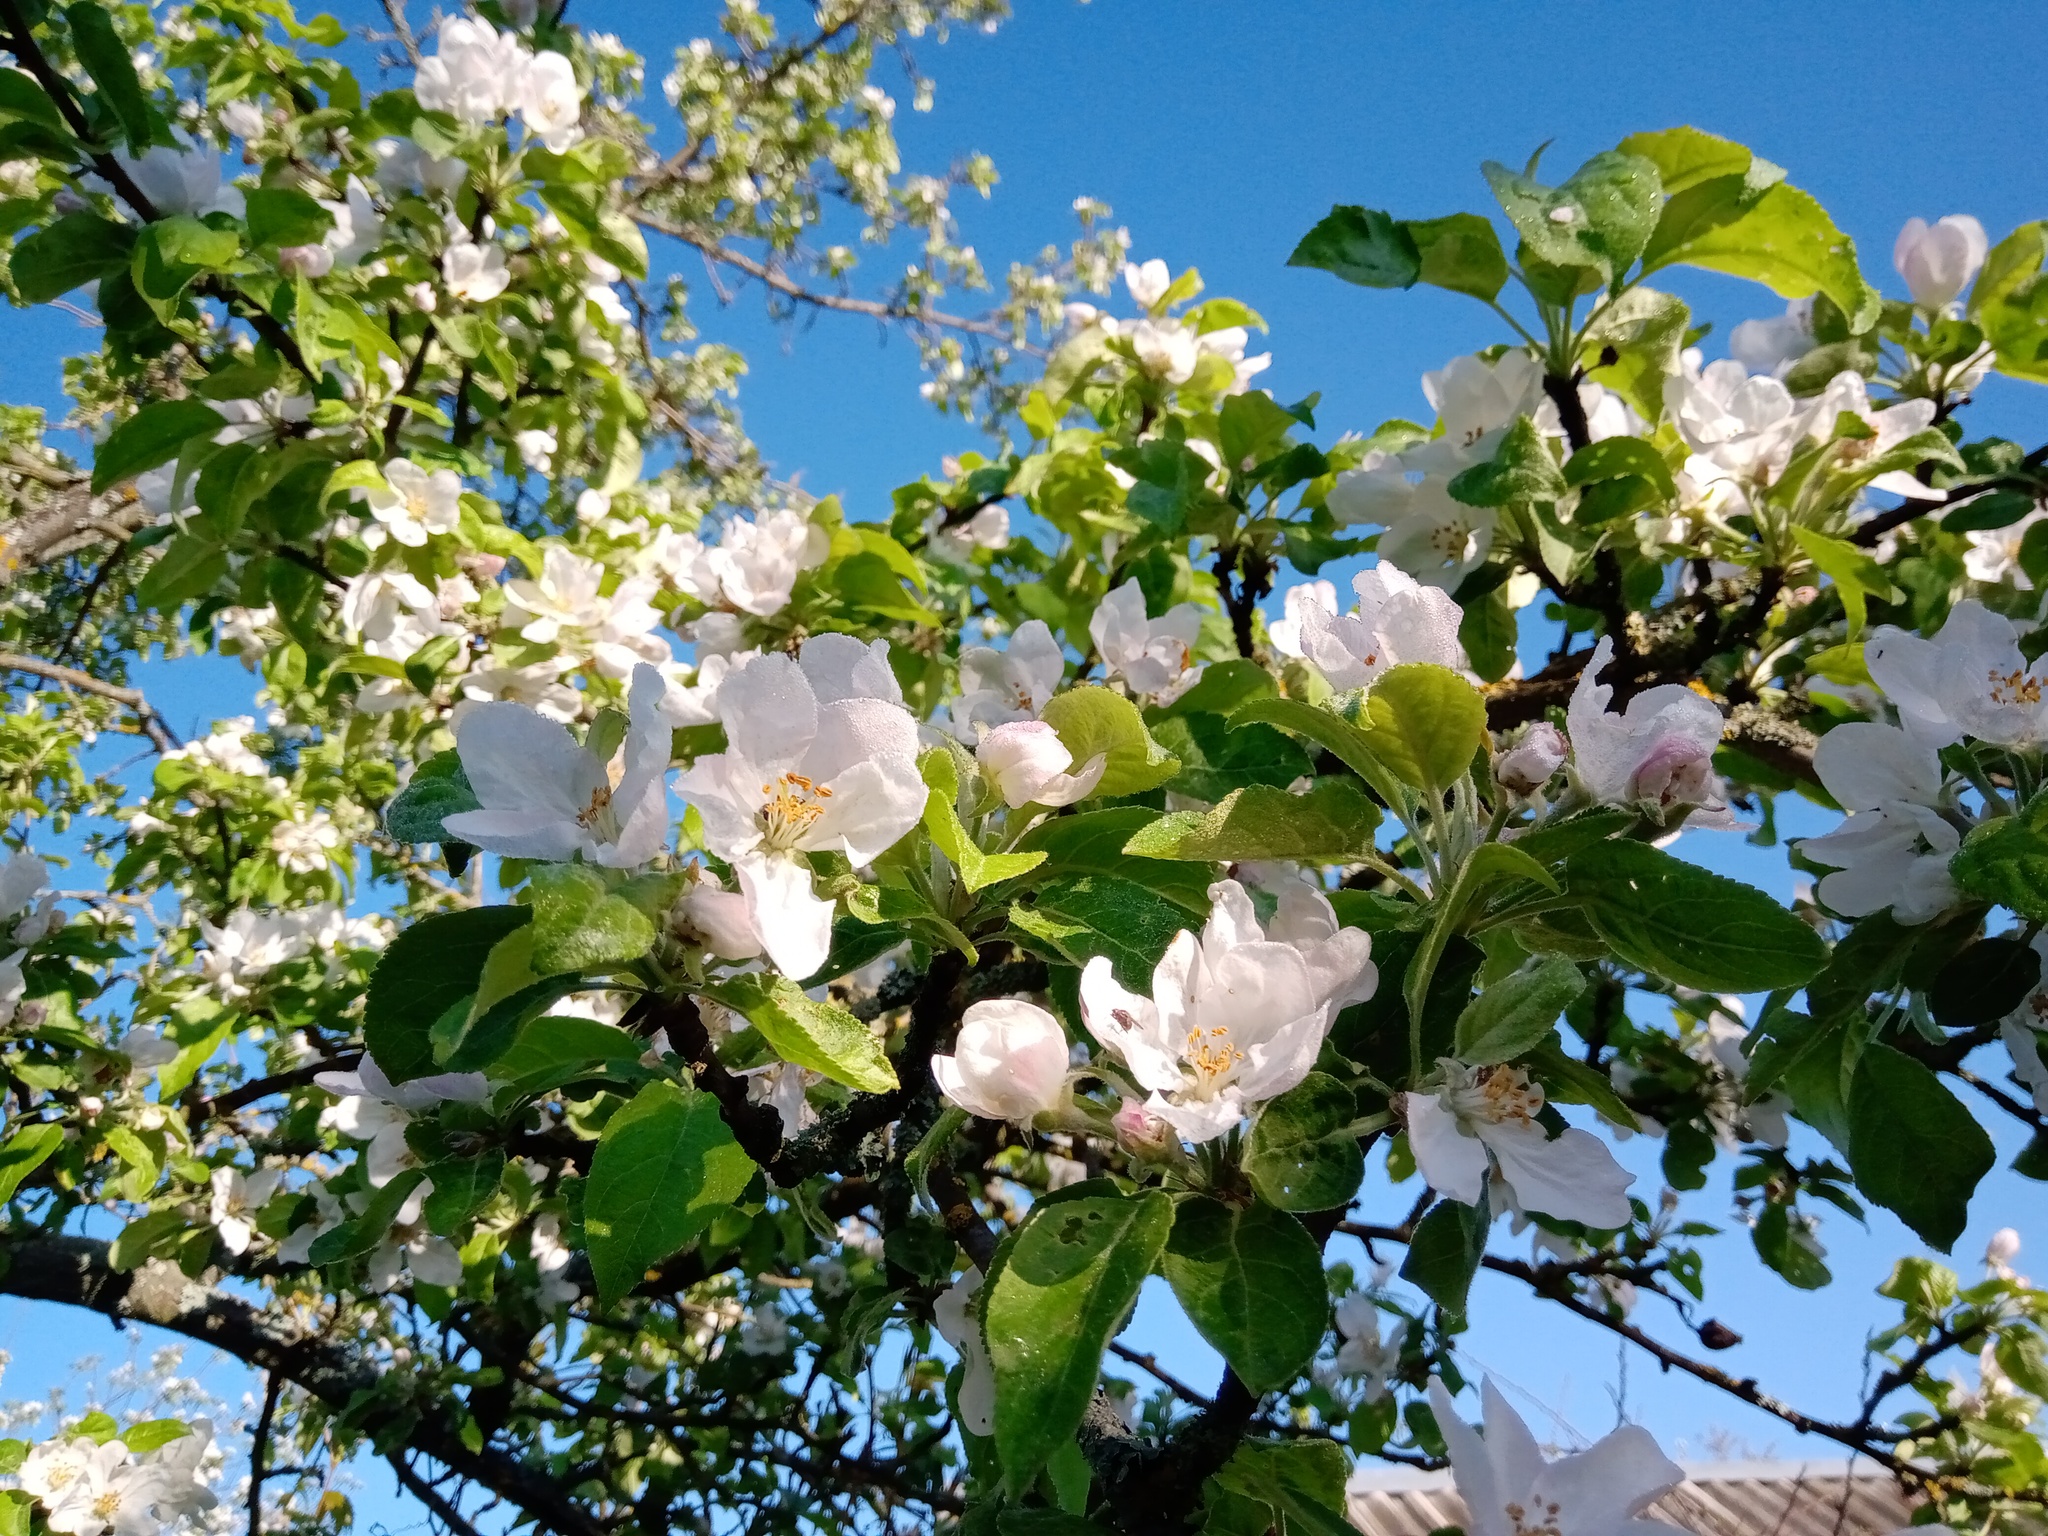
(795, 926)
(1452, 1162)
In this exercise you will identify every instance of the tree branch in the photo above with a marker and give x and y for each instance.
(160, 734)
(74, 1271)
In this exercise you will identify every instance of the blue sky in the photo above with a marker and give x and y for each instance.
(1220, 130)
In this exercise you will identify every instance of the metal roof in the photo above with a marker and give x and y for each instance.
(1718, 1498)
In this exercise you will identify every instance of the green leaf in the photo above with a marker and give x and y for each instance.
(1060, 1290)
(1633, 344)
(1094, 843)
(2005, 860)
(1984, 982)
(1216, 757)
(153, 1434)
(1601, 218)
(429, 968)
(1914, 1149)
(142, 1238)
(1684, 157)
(1425, 722)
(1335, 735)
(1444, 1255)
(1779, 237)
(942, 822)
(1520, 473)
(1461, 253)
(1362, 246)
(1094, 720)
(438, 789)
(1663, 915)
(1331, 824)
(551, 1051)
(579, 924)
(154, 435)
(79, 248)
(107, 59)
(189, 567)
(1075, 920)
(821, 1036)
(1300, 1481)
(280, 216)
(2009, 301)
(354, 1239)
(1517, 1012)
(24, 1152)
(1250, 1279)
(665, 1167)
(595, 225)
(1612, 458)
(470, 1039)
(1302, 1154)
(462, 1186)
(22, 98)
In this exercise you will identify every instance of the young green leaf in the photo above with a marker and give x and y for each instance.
(664, 1168)
(1426, 723)
(1250, 1279)
(1332, 823)
(1516, 1013)
(1302, 1154)
(1094, 720)
(429, 968)
(821, 1036)
(1059, 1292)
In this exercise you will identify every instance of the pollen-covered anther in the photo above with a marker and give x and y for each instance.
(793, 804)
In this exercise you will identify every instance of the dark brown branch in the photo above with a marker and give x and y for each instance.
(160, 735)
(1873, 529)
(259, 1450)
(74, 1271)
(202, 1110)
(436, 1502)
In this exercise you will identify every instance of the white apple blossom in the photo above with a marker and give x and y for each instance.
(766, 1332)
(1367, 1351)
(1970, 679)
(1888, 426)
(1147, 283)
(412, 1246)
(1166, 349)
(545, 795)
(1477, 402)
(550, 101)
(1742, 427)
(1509, 1488)
(181, 1470)
(720, 920)
(305, 260)
(247, 947)
(1236, 1016)
(2025, 1033)
(997, 687)
(1228, 342)
(109, 1495)
(224, 748)
(1153, 656)
(375, 1110)
(27, 906)
(236, 1198)
(1938, 260)
(1772, 346)
(989, 528)
(13, 988)
(538, 686)
(567, 605)
(475, 273)
(953, 1314)
(785, 1088)
(537, 446)
(305, 844)
(1999, 1253)
(1397, 620)
(181, 180)
(1028, 763)
(244, 119)
(1429, 532)
(551, 1260)
(822, 755)
(415, 503)
(403, 166)
(1659, 751)
(1894, 848)
(1488, 1114)
(1009, 1063)
(1994, 553)
(755, 564)
(271, 417)
(477, 73)
(358, 225)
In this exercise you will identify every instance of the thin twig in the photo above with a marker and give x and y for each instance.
(259, 1450)
(153, 726)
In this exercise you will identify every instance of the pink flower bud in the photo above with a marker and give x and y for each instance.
(305, 261)
(1677, 771)
(1527, 766)
(1010, 1062)
(1142, 1133)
